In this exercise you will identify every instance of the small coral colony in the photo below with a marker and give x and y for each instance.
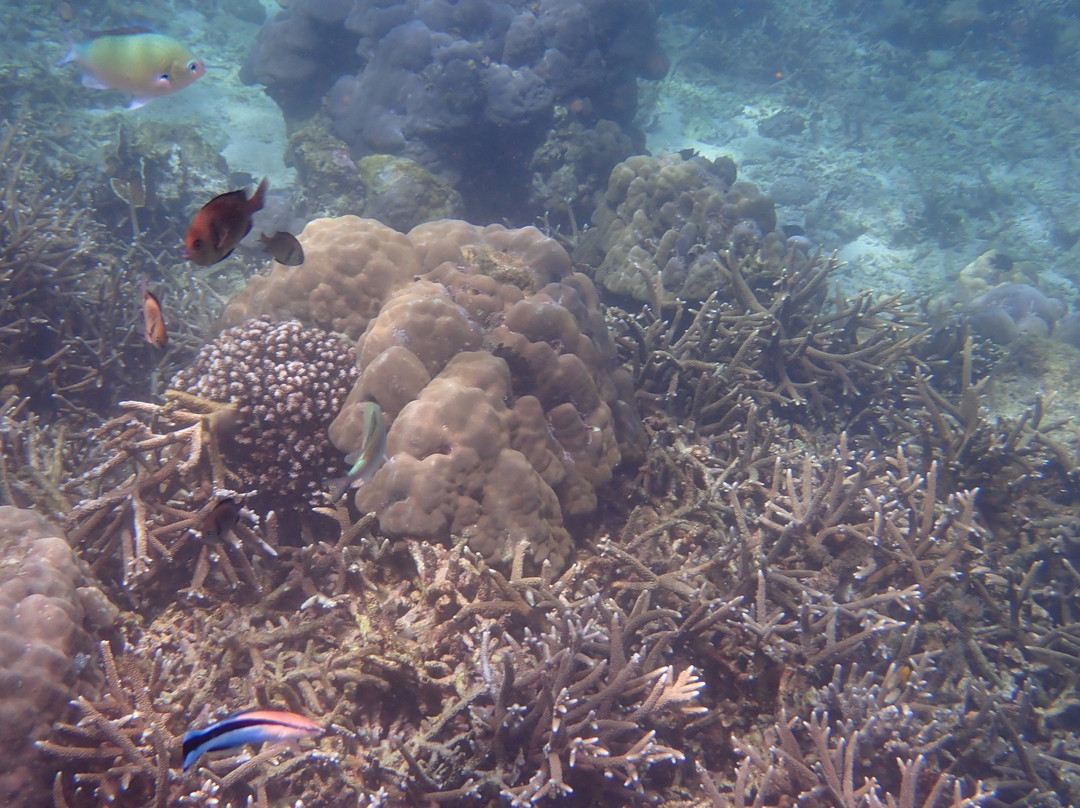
(644, 513)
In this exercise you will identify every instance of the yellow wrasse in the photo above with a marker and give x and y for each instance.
(142, 63)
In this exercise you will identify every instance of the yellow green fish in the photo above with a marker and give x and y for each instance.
(136, 61)
(369, 457)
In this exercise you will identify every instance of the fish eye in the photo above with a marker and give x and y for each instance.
(193, 67)
(198, 245)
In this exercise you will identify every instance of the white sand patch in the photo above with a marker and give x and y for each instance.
(245, 118)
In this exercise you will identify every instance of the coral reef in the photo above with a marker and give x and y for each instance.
(156, 175)
(69, 285)
(460, 88)
(498, 371)
(42, 260)
(835, 581)
(491, 446)
(401, 194)
(34, 465)
(280, 386)
(571, 167)
(995, 297)
(50, 608)
(493, 697)
(661, 227)
(251, 412)
(351, 265)
(328, 181)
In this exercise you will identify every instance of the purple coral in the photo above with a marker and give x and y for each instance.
(1010, 310)
(464, 89)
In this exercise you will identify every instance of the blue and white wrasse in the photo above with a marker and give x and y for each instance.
(252, 726)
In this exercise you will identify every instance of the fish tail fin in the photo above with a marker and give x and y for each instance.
(258, 199)
(73, 50)
(336, 487)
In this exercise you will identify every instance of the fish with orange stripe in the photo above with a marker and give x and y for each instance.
(251, 726)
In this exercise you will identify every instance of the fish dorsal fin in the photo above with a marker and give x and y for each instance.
(258, 197)
(131, 30)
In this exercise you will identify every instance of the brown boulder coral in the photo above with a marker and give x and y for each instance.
(350, 266)
(665, 225)
(49, 605)
(498, 371)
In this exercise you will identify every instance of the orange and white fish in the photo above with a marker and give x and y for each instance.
(220, 224)
(253, 726)
(136, 61)
(155, 333)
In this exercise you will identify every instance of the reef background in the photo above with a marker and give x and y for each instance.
(802, 527)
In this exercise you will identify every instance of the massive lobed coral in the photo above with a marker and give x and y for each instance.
(665, 222)
(498, 371)
(492, 359)
(350, 266)
(998, 299)
(50, 605)
(468, 90)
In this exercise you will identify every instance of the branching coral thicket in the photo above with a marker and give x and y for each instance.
(68, 299)
(455, 682)
(34, 461)
(917, 540)
(150, 499)
(785, 348)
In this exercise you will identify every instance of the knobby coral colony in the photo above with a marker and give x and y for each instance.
(834, 581)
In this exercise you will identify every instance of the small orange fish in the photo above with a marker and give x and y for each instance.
(284, 248)
(155, 334)
(220, 224)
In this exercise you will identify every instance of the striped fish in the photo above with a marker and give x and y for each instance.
(252, 726)
(369, 457)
